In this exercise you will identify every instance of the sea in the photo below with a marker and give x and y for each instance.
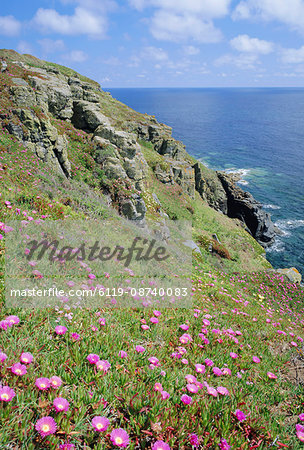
(256, 132)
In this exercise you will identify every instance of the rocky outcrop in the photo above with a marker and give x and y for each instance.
(243, 206)
(210, 188)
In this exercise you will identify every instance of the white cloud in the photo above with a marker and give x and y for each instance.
(290, 12)
(180, 20)
(82, 21)
(154, 53)
(9, 26)
(206, 8)
(242, 61)
(245, 44)
(24, 47)
(190, 50)
(51, 46)
(77, 56)
(293, 55)
(180, 27)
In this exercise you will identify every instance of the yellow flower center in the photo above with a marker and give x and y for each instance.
(118, 440)
(4, 396)
(99, 425)
(45, 428)
(42, 385)
(18, 371)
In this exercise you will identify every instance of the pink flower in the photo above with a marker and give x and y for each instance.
(222, 390)
(3, 356)
(154, 320)
(60, 330)
(164, 395)
(120, 437)
(46, 426)
(55, 382)
(14, 320)
(100, 423)
(158, 387)
(271, 375)
(123, 354)
(200, 368)
(239, 415)
(185, 338)
(102, 321)
(156, 313)
(217, 371)
(93, 358)
(212, 391)
(140, 348)
(186, 399)
(91, 276)
(234, 355)
(184, 327)
(75, 336)
(192, 388)
(300, 432)
(191, 379)
(66, 446)
(103, 365)
(145, 327)
(209, 362)
(301, 416)
(160, 445)
(61, 404)
(193, 439)
(224, 445)
(154, 361)
(256, 360)
(26, 358)
(43, 384)
(6, 393)
(18, 369)
(226, 371)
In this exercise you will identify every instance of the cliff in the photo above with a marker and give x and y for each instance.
(79, 132)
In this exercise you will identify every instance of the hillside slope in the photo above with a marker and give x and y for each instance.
(225, 373)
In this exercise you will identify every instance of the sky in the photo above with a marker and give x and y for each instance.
(163, 43)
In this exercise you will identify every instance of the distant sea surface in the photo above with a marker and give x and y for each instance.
(258, 132)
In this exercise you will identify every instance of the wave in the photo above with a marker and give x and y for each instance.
(269, 206)
(240, 174)
(285, 225)
(277, 247)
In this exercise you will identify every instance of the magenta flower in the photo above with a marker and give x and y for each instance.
(61, 404)
(191, 379)
(301, 416)
(26, 358)
(75, 336)
(66, 446)
(217, 371)
(140, 348)
(154, 361)
(158, 387)
(91, 276)
(271, 375)
(226, 371)
(185, 338)
(123, 354)
(200, 368)
(156, 313)
(192, 388)
(222, 390)
(60, 330)
(300, 432)
(102, 321)
(43, 384)
(256, 360)
(212, 391)
(209, 362)
(18, 369)
(100, 423)
(103, 365)
(14, 320)
(234, 355)
(3, 356)
(160, 445)
(193, 439)
(186, 399)
(6, 393)
(184, 327)
(55, 382)
(239, 415)
(164, 395)
(224, 445)
(120, 437)
(46, 426)
(93, 358)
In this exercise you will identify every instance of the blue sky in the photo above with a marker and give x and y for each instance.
(164, 43)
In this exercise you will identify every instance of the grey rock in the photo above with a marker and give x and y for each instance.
(193, 246)
(87, 116)
(3, 66)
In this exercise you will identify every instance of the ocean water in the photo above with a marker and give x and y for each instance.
(259, 132)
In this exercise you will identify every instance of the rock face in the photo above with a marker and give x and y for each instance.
(291, 274)
(210, 188)
(243, 206)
